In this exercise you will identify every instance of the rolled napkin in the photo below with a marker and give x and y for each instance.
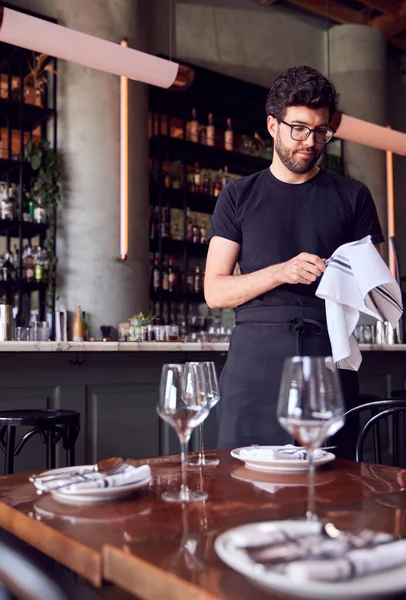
(354, 563)
(309, 555)
(77, 482)
(289, 451)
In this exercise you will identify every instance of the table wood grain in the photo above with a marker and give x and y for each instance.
(155, 549)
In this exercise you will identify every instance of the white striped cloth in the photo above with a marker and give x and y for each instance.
(77, 482)
(356, 280)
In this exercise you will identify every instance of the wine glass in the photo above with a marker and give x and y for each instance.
(208, 372)
(183, 404)
(310, 407)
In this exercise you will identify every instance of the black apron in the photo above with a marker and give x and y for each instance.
(251, 377)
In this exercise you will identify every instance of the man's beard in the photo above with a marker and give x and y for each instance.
(296, 164)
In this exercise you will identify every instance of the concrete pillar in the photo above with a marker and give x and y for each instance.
(88, 140)
(358, 69)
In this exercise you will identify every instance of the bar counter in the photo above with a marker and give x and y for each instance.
(115, 387)
(100, 346)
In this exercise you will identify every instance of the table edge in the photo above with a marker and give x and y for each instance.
(37, 534)
(147, 580)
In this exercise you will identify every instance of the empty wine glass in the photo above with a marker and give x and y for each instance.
(208, 372)
(310, 407)
(183, 404)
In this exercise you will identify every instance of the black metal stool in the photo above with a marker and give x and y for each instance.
(52, 425)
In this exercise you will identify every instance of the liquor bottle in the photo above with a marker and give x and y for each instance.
(39, 264)
(165, 222)
(165, 278)
(28, 265)
(78, 329)
(210, 133)
(224, 178)
(189, 226)
(171, 276)
(39, 212)
(203, 232)
(197, 179)
(197, 280)
(194, 127)
(217, 186)
(86, 328)
(206, 184)
(6, 207)
(195, 233)
(155, 274)
(229, 136)
(190, 282)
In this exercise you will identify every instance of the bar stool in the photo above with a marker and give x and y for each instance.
(52, 425)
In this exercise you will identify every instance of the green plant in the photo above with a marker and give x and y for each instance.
(45, 187)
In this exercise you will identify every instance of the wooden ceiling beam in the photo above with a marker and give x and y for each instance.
(388, 7)
(336, 11)
(390, 26)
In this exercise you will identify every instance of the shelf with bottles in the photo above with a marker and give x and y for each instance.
(207, 156)
(169, 231)
(202, 186)
(169, 280)
(30, 273)
(33, 222)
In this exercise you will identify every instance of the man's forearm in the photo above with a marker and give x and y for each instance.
(228, 291)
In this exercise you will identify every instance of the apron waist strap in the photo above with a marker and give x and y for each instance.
(301, 320)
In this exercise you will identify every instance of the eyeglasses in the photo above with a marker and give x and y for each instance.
(299, 133)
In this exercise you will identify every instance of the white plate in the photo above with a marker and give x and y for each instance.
(227, 547)
(96, 495)
(279, 464)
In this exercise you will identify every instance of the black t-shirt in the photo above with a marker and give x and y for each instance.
(274, 221)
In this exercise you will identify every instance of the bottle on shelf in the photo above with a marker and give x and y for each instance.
(203, 232)
(39, 211)
(195, 233)
(155, 274)
(210, 132)
(28, 264)
(165, 278)
(190, 282)
(196, 179)
(86, 328)
(206, 188)
(194, 127)
(165, 222)
(6, 206)
(171, 276)
(78, 329)
(39, 271)
(189, 226)
(197, 283)
(229, 136)
(154, 223)
(224, 178)
(7, 268)
(216, 186)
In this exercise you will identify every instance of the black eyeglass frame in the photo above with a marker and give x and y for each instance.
(309, 132)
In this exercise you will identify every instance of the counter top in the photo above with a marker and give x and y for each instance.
(148, 347)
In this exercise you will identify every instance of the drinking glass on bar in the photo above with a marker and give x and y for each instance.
(310, 407)
(183, 404)
(208, 372)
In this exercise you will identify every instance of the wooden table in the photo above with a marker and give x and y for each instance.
(156, 549)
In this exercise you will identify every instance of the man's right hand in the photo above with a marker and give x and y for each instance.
(304, 268)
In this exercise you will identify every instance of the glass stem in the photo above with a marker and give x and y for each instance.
(201, 446)
(184, 490)
(310, 514)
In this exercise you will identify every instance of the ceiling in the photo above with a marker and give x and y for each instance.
(387, 15)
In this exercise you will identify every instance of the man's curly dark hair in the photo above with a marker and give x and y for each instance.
(301, 86)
